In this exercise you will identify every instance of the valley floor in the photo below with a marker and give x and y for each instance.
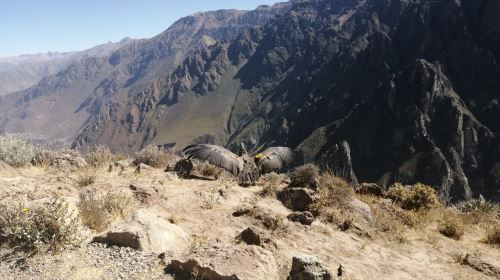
(203, 210)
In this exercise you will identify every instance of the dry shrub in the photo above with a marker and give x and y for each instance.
(416, 197)
(51, 226)
(98, 156)
(43, 158)
(270, 183)
(305, 176)
(334, 192)
(208, 170)
(493, 235)
(452, 227)
(153, 156)
(86, 180)
(16, 151)
(99, 211)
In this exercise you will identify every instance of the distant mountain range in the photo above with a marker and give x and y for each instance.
(376, 90)
(22, 72)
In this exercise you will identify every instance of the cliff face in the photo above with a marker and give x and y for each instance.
(379, 90)
(60, 105)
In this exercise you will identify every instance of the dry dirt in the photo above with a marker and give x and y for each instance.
(203, 209)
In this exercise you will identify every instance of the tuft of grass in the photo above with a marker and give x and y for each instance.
(51, 226)
(452, 227)
(155, 157)
(416, 197)
(99, 211)
(208, 170)
(270, 183)
(86, 180)
(43, 158)
(98, 156)
(479, 210)
(305, 176)
(334, 192)
(493, 235)
(16, 151)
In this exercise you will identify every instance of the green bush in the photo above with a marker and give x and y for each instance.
(16, 151)
(50, 226)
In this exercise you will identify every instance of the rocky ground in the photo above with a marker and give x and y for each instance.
(207, 228)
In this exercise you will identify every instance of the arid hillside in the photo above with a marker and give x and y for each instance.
(66, 215)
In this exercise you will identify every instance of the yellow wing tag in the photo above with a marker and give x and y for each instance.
(259, 155)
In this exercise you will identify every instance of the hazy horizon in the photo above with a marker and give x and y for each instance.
(32, 27)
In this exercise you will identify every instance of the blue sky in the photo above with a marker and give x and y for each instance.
(33, 26)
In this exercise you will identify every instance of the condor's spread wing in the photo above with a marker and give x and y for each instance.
(274, 158)
(215, 155)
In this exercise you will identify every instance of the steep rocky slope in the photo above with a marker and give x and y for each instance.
(378, 90)
(24, 71)
(61, 104)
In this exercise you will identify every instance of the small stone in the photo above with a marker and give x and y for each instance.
(305, 217)
(250, 237)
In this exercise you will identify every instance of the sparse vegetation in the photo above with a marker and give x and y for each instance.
(452, 227)
(334, 192)
(43, 158)
(493, 235)
(155, 157)
(416, 197)
(16, 151)
(305, 176)
(98, 211)
(98, 156)
(50, 226)
(270, 183)
(208, 170)
(86, 180)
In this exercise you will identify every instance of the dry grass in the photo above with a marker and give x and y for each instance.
(334, 192)
(154, 157)
(98, 156)
(414, 197)
(493, 235)
(452, 226)
(208, 170)
(51, 226)
(479, 211)
(43, 158)
(305, 176)
(99, 211)
(270, 183)
(85, 180)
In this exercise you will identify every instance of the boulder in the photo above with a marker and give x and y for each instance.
(308, 268)
(298, 199)
(226, 263)
(371, 189)
(147, 232)
(250, 237)
(361, 209)
(305, 217)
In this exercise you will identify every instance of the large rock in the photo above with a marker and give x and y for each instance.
(239, 262)
(251, 237)
(298, 199)
(147, 232)
(308, 268)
